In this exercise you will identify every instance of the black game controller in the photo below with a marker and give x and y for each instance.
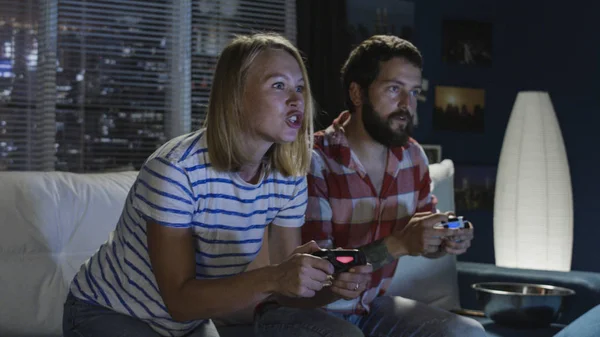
(342, 259)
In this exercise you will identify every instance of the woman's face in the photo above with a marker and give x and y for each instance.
(273, 100)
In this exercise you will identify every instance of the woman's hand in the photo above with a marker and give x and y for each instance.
(302, 274)
(351, 284)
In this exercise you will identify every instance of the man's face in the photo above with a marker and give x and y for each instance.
(389, 110)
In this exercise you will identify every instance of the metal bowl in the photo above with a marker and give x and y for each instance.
(521, 304)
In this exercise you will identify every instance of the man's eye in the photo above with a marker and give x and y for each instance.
(394, 88)
(415, 93)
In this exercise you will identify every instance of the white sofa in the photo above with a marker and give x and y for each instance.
(51, 222)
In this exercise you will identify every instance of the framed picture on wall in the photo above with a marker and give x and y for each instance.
(467, 42)
(373, 17)
(474, 187)
(459, 109)
(433, 152)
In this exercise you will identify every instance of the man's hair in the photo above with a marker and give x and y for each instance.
(362, 66)
(226, 121)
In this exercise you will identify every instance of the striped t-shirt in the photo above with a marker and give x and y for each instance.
(177, 187)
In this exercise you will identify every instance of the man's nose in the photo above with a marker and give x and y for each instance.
(404, 99)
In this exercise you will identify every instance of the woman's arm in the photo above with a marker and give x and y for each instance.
(172, 258)
(283, 242)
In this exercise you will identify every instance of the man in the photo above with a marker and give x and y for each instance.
(369, 185)
(369, 188)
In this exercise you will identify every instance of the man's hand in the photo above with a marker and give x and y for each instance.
(302, 275)
(351, 284)
(459, 241)
(419, 237)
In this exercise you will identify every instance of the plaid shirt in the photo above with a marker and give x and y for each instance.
(345, 211)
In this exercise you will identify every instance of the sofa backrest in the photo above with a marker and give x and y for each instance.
(50, 223)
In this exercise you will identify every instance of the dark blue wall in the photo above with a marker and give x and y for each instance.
(537, 45)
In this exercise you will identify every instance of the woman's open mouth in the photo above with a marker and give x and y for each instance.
(294, 120)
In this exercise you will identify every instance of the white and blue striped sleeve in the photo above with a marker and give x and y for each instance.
(292, 214)
(163, 194)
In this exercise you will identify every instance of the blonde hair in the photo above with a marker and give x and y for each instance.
(224, 128)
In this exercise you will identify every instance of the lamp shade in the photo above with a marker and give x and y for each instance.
(533, 202)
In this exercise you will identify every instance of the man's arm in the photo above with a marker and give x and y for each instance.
(458, 241)
(415, 238)
(418, 237)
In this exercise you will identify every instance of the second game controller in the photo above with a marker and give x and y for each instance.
(454, 222)
(342, 259)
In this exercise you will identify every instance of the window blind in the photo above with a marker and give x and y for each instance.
(26, 102)
(113, 77)
(215, 22)
(98, 85)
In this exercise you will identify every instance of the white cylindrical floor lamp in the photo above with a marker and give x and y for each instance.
(533, 202)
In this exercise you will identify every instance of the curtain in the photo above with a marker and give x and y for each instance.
(324, 41)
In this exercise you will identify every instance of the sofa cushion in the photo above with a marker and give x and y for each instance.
(496, 330)
(51, 223)
(431, 281)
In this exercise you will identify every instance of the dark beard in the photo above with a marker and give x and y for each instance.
(381, 131)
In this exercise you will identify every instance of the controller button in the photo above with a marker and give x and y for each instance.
(345, 259)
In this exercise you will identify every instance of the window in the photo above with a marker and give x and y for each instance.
(215, 22)
(26, 104)
(88, 86)
(113, 79)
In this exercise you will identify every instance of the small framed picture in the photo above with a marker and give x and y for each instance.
(467, 42)
(433, 152)
(459, 109)
(375, 17)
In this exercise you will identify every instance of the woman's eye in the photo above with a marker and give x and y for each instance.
(300, 88)
(279, 85)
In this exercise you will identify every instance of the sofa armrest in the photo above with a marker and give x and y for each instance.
(585, 284)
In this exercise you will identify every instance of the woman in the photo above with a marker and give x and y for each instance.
(195, 217)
